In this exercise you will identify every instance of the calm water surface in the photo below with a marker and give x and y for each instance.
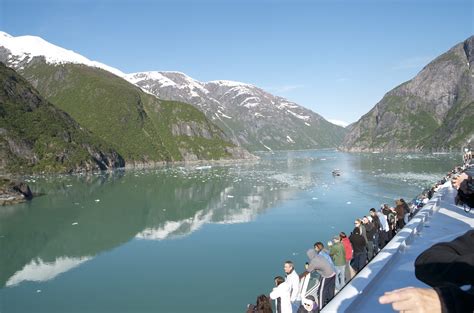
(182, 239)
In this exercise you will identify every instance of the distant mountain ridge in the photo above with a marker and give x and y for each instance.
(141, 128)
(250, 116)
(434, 110)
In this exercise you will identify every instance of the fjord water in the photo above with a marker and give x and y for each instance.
(187, 239)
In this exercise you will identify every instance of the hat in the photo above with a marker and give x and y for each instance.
(309, 300)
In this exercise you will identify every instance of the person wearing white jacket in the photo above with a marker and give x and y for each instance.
(293, 280)
(281, 293)
(384, 228)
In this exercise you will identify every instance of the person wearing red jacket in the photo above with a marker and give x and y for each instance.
(348, 249)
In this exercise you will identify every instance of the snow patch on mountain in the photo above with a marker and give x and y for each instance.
(25, 48)
(228, 83)
(155, 76)
(301, 117)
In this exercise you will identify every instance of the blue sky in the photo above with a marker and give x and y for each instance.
(337, 58)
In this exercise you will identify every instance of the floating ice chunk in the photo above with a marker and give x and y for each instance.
(74, 224)
(229, 196)
(38, 290)
(314, 198)
(348, 202)
(97, 200)
(68, 186)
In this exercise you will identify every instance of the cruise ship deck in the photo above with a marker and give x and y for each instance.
(439, 220)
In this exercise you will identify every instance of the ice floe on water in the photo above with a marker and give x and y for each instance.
(412, 178)
(293, 180)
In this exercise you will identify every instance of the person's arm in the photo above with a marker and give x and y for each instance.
(275, 293)
(312, 266)
(411, 299)
(448, 262)
(332, 251)
(295, 287)
(448, 299)
(302, 275)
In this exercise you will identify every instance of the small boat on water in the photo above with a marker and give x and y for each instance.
(336, 172)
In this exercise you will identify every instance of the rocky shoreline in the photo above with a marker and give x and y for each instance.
(397, 150)
(13, 192)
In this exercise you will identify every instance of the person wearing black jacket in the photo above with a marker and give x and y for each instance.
(370, 232)
(447, 267)
(359, 246)
(378, 229)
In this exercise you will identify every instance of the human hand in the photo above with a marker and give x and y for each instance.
(412, 299)
(458, 180)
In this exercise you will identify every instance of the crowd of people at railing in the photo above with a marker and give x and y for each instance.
(344, 256)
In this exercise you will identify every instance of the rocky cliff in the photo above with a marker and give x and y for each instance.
(434, 110)
(35, 136)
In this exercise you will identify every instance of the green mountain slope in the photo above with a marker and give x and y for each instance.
(142, 128)
(434, 110)
(35, 136)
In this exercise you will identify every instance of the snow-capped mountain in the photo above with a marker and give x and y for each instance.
(249, 115)
(101, 101)
(23, 49)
